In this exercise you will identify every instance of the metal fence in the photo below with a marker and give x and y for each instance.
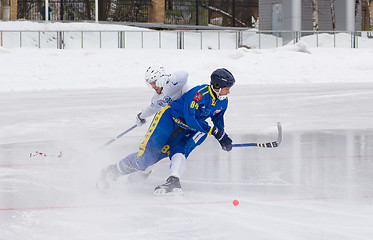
(197, 39)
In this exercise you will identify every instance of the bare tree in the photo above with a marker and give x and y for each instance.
(111, 10)
(332, 9)
(222, 12)
(357, 4)
(315, 15)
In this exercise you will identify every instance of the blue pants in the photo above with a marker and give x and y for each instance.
(185, 142)
(158, 143)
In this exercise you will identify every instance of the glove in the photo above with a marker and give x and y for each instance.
(140, 121)
(162, 81)
(222, 137)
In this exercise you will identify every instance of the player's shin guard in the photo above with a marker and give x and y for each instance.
(172, 185)
(178, 165)
(129, 164)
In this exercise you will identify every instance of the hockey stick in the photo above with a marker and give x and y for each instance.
(265, 145)
(120, 135)
(43, 154)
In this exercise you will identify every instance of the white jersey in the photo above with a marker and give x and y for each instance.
(173, 90)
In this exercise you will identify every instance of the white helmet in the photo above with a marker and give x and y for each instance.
(153, 73)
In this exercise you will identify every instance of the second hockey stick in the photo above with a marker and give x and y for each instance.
(120, 135)
(264, 145)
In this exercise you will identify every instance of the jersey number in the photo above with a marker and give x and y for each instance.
(165, 149)
(194, 105)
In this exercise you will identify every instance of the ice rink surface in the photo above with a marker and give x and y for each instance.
(316, 185)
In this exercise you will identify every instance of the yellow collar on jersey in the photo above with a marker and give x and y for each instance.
(213, 95)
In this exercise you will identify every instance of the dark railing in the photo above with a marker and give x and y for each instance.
(186, 12)
(232, 13)
(228, 13)
(80, 10)
(132, 11)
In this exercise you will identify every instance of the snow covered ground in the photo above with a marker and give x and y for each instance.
(316, 185)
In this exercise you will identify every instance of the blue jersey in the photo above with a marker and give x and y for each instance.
(192, 109)
(190, 112)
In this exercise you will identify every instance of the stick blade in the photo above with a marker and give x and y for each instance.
(273, 144)
(279, 137)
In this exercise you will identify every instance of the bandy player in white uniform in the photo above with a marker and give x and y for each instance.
(167, 87)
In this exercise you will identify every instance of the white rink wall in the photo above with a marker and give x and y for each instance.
(90, 67)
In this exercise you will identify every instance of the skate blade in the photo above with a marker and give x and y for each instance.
(174, 192)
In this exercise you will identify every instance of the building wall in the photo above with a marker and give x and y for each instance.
(157, 11)
(365, 23)
(359, 19)
(325, 17)
(3, 4)
(265, 13)
(307, 24)
(13, 9)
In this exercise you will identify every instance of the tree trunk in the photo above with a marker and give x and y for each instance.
(88, 9)
(315, 15)
(111, 10)
(357, 3)
(103, 9)
(332, 13)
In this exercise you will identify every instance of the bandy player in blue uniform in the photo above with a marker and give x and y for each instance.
(177, 129)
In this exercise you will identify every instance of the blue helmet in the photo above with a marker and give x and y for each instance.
(221, 78)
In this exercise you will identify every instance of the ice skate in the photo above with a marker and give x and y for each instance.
(109, 175)
(171, 187)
